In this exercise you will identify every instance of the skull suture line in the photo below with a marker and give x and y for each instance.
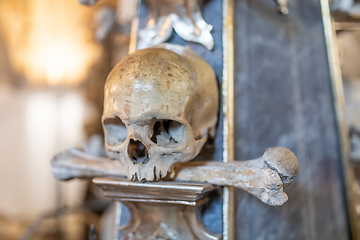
(160, 106)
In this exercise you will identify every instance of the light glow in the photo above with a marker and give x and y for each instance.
(56, 45)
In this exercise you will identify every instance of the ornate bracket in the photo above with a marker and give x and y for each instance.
(160, 210)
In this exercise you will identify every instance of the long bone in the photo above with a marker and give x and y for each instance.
(264, 177)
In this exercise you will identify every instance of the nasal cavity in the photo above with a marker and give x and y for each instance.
(138, 152)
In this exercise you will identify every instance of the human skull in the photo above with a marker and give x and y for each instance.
(160, 105)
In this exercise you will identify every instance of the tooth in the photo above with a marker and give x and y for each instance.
(133, 169)
(155, 175)
(138, 175)
(172, 172)
(128, 173)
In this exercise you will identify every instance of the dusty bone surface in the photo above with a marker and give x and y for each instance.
(160, 106)
(265, 177)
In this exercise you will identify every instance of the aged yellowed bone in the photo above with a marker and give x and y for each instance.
(160, 106)
(264, 177)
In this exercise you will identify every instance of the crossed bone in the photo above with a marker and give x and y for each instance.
(264, 177)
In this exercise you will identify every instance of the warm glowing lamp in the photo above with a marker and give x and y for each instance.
(51, 43)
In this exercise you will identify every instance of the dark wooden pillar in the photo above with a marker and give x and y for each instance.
(283, 96)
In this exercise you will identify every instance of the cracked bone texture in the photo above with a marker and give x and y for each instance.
(160, 105)
(264, 177)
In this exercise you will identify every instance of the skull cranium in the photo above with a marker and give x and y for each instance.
(160, 105)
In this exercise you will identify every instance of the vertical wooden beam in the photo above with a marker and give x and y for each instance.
(228, 111)
(339, 105)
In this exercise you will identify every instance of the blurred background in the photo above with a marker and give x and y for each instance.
(346, 16)
(54, 59)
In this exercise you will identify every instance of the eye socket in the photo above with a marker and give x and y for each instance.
(115, 131)
(168, 133)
